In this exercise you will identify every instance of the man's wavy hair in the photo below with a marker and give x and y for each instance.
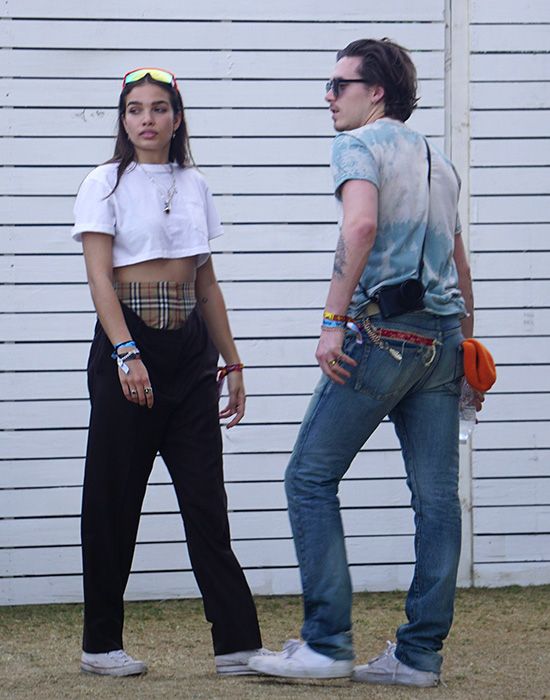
(385, 63)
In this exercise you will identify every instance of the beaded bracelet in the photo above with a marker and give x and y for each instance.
(224, 371)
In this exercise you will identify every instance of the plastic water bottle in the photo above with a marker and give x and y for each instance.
(467, 412)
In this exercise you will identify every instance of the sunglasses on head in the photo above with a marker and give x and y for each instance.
(159, 74)
(336, 84)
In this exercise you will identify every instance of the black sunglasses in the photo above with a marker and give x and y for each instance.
(337, 83)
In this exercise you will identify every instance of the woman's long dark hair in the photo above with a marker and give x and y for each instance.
(180, 150)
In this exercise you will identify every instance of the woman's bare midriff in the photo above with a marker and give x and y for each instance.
(158, 270)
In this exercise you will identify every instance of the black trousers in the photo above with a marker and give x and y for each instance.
(123, 441)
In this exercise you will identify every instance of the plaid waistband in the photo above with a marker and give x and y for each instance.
(163, 305)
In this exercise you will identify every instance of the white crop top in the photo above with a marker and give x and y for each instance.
(134, 214)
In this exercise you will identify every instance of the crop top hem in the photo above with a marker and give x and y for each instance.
(202, 253)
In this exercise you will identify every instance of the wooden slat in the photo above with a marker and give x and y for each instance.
(32, 298)
(273, 65)
(512, 294)
(524, 435)
(503, 181)
(266, 266)
(510, 152)
(509, 463)
(507, 209)
(512, 574)
(160, 585)
(509, 548)
(100, 93)
(246, 324)
(221, 180)
(512, 492)
(215, 36)
(167, 527)
(497, 11)
(274, 352)
(392, 10)
(42, 473)
(511, 265)
(489, 237)
(510, 37)
(518, 124)
(527, 353)
(47, 561)
(512, 519)
(212, 123)
(62, 443)
(238, 238)
(502, 66)
(24, 415)
(376, 493)
(526, 95)
(223, 151)
(512, 407)
(245, 209)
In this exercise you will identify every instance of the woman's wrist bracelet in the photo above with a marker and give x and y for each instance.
(125, 344)
(224, 371)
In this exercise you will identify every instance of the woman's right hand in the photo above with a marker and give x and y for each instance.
(136, 385)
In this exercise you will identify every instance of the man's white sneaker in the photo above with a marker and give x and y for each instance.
(387, 669)
(112, 663)
(236, 664)
(298, 660)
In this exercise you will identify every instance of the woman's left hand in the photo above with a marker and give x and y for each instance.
(237, 399)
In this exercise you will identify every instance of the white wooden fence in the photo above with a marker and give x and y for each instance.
(252, 77)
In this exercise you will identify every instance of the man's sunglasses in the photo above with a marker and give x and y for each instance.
(162, 76)
(336, 84)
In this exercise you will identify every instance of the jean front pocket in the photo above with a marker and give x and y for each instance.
(383, 374)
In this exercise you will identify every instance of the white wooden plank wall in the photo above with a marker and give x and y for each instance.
(252, 78)
(510, 244)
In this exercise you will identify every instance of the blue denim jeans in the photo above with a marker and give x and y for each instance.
(420, 394)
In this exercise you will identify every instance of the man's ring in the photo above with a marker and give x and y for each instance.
(133, 392)
(147, 390)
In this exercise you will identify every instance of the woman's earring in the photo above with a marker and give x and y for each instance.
(174, 135)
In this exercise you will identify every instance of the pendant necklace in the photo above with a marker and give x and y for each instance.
(168, 195)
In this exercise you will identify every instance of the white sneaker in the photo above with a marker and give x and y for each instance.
(112, 663)
(387, 669)
(298, 660)
(236, 664)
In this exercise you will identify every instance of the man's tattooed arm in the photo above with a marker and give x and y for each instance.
(340, 258)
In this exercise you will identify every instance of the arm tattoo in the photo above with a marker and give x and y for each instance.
(204, 300)
(339, 258)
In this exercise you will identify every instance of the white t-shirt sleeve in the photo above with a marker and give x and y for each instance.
(93, 209)
(212, 217)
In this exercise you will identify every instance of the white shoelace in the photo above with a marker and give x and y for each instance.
(120, 655)
(388, 651)
(291, 646)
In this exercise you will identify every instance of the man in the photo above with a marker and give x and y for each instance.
(401, 356)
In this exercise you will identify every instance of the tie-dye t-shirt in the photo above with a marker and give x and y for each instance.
(394, 158)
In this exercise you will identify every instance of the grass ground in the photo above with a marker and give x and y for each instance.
(499, 649)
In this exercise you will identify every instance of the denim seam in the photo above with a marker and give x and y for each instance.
(297, 514)
(418, 528)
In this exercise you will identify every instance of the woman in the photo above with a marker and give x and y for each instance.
(145, 219)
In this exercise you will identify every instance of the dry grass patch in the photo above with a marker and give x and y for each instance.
(499, 649)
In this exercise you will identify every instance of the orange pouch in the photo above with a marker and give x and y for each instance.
(479, 366)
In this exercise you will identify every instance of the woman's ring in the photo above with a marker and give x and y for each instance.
(147, 390)
(332, 363)
(133, 392)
